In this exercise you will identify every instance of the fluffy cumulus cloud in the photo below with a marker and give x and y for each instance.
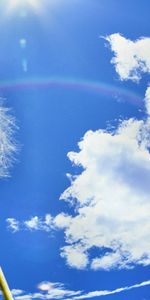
(131, 58)
(7, 143)
(111, 197)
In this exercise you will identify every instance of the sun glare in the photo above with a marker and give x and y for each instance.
(13, 4)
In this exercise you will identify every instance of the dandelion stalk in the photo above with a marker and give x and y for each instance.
(4, 287)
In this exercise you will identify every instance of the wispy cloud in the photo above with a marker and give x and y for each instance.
(116, 291)
(47, 290)
(16, 292)
(131, 58)
(13, 224)
(57, 290)
(7, 143)
(32, 224)
(36, 223)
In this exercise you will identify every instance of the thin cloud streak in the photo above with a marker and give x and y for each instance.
(116, 291)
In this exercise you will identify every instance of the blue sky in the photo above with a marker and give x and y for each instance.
(75, 208)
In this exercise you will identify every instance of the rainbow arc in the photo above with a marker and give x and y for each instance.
(75, 84)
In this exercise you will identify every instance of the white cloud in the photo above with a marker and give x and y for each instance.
(17, 292)
(131, 58)
(48, 290)
(111, 197)
(116, 291)
(32, 224)
(13, 224)
(105, 261)
(75, 256)
(147, 100)
(37, 223)
(57, 290)
(7, 143)
(62, 221)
